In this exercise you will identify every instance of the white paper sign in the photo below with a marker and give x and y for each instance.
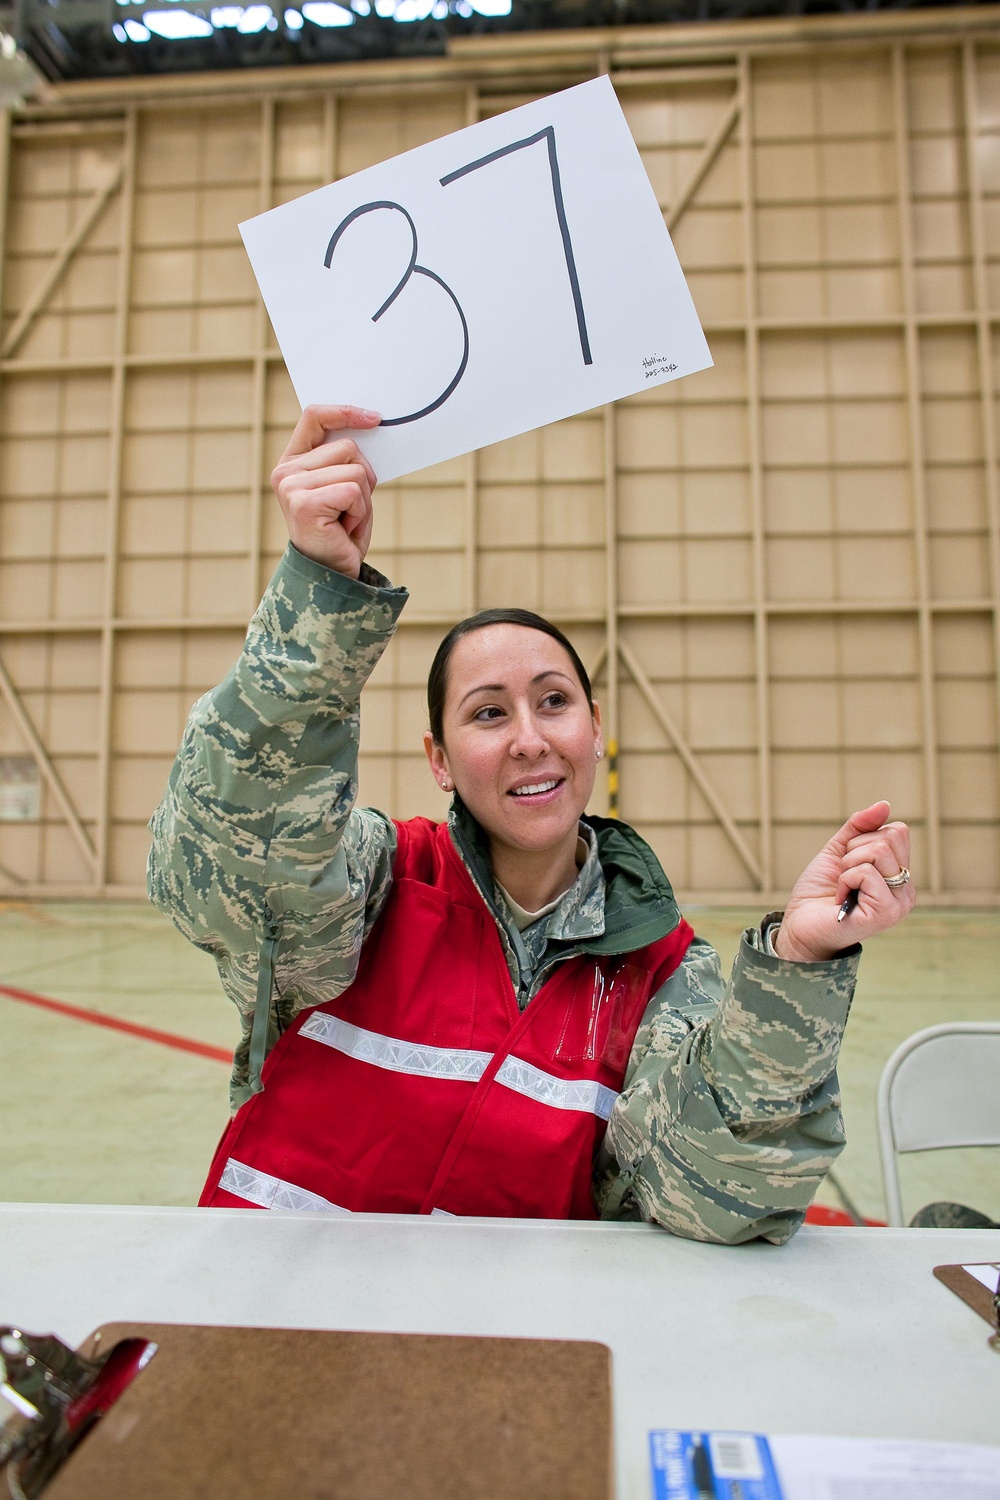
(489, 282)
(750, 1466)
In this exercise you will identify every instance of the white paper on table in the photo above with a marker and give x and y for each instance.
(539, 283)
(988, 1274)
(831, 1468)
(750, 1466)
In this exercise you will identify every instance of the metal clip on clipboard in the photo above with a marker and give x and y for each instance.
(57, 1396)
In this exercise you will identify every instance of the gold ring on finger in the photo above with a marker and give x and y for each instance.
(900, 878)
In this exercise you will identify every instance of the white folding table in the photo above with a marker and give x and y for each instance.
(842, 1331)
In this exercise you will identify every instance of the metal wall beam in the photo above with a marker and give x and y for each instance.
(48, 771)
(40, 296)
(673, 733)
(701, 168)
(258, 398)
(116, 460)
(855, 323)
(806, 608)
(918, 473)
(755, 446)
(984, 340)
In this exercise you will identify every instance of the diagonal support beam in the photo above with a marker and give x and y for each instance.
(43, 291)
(694, 770)
(598, 664)
(52, 779)
(712, 148)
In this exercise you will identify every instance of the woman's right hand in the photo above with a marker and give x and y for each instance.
(325, 488)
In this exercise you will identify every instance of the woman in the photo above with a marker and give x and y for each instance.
(503, 1013)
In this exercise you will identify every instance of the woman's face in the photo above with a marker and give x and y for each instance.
(520, 740)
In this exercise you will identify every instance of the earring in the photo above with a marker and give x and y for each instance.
(446, 784)
(600, 752)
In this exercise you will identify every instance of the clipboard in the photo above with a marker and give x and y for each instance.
(972, 1292)
(269, 1413)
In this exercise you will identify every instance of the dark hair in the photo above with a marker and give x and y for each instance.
(437, 681)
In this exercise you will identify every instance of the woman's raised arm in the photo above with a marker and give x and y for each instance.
(258, 851)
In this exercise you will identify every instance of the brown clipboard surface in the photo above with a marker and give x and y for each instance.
(971, 1291)
(255, 1413)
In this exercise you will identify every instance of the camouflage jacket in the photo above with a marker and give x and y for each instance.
(730, 1112)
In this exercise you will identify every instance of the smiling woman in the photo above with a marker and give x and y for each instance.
(503, 1013)
(521, 752)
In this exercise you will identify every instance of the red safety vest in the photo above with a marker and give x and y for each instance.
(422, 1087)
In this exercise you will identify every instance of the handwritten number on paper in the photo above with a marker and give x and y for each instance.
(549, 136)
(412, 270)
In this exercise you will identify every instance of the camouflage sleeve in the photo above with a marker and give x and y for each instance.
(730, 1113)
(257, 829)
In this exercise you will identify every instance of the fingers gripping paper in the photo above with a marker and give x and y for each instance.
(500, 278)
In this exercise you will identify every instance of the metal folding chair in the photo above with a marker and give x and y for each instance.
(941, 1087)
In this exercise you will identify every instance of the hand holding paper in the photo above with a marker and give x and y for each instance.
(325, 488)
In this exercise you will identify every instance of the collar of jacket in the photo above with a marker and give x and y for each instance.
(639, 904)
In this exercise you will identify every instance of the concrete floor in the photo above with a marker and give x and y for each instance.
(88, 1115)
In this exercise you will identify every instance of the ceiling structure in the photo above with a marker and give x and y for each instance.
(70, 39)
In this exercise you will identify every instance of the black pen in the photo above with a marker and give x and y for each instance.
(701, 1471)
(848, 905)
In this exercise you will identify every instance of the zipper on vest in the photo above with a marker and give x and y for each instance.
(516, 940)
(262, 1003)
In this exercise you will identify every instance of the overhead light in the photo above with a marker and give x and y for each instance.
(293, 20)
(414, 10)
(492, 7)
(176, 25)
(254, 19)
(224, 16)
(326, 13)
(135, 31)
(121, 34)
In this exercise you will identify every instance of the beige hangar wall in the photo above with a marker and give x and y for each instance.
(785, 570)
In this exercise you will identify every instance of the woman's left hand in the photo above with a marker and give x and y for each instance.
(859, 857)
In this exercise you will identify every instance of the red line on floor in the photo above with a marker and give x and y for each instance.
(831, 1218)
(114, 1023)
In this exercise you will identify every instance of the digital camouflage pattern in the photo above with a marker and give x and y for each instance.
(730, 1112)
(256, 823)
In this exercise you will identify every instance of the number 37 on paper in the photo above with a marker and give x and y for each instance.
(497, 279)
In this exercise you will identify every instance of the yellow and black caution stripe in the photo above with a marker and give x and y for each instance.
(612, 778)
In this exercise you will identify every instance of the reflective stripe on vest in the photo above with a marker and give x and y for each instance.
(395, 1056)
(559, 1093)
(271, 1192)
(424, 1061)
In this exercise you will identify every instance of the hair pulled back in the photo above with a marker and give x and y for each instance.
(437, 681)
